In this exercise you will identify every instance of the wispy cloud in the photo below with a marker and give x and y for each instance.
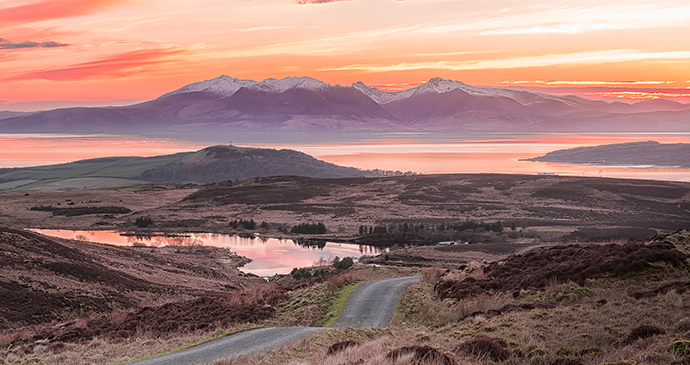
(122, 65)
(302, 2)
(51, 9)
(558, 28)
(266, 27)
(521, 62)
(5, 44)
(639, 95)
(562, 82)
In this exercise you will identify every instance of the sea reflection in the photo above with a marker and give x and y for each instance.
(269, 255)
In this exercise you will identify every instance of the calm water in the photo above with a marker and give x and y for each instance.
(270, 256)
(499, 153)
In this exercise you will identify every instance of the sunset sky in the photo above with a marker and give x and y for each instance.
(91, 52)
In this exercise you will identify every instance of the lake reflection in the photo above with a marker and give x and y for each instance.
(270, 255)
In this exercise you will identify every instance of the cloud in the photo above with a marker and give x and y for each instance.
(578, 82)
(265, 27)
(5, 44)
(620, 55)
(51, 9)
(302, 2)
(559, 28)
(122, 65)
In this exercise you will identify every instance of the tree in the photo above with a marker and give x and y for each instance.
(143, 222)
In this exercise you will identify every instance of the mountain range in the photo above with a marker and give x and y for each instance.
(303, 104)
(209, 165)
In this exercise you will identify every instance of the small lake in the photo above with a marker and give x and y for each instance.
(270, 255)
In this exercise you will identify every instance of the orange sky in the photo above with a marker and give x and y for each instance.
(86, 51)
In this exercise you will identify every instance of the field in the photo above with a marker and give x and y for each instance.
(575, 207)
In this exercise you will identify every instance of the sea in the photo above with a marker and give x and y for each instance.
(495, 153)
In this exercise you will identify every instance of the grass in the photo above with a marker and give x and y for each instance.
(595, 324)
(598, 322)
(339, 302)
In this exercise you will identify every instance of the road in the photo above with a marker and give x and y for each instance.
(370, 305)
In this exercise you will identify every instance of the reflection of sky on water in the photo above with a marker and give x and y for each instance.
(270, 256)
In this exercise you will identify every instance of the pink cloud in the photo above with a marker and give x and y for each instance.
(51, 9)
(121, 65)
(302, 2)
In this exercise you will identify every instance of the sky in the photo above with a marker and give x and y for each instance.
(115, 52)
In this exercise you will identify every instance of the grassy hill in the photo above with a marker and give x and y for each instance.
(631, 153)
(212, 164)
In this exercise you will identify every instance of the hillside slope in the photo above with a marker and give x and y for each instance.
(212, 164)
(633, 153)
(44, 279)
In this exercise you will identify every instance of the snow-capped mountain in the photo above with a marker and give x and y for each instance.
(302, 104)
(441, 86)
(225, 86)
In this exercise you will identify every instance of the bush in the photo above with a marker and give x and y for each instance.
(302, 273)
(680, 347)
(343, 264)
(341, 346)
(643, 332)
(484, 346)
(421, 354)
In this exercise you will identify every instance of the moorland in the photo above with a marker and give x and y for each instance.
(557, 270)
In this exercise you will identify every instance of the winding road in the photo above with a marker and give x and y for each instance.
(370, 305)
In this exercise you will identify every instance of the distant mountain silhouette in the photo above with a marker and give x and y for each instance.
(303, 104)
(633, 153)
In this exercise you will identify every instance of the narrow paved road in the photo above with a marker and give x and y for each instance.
(370, 305)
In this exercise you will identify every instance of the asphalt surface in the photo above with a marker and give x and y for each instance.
(370, 305)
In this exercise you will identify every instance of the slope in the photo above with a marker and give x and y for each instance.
(212, 164)
(634, 153)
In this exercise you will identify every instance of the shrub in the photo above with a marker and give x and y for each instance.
(421, 354)
(343, 264)
(643, 332)
(302, 273)
(340, 346)
(680, 347)
(484, 346)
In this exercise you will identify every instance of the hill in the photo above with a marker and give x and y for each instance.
(633, 153)
(212, 164)
(44, 279)
(226, 105)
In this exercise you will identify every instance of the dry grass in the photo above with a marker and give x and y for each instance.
(559, 323)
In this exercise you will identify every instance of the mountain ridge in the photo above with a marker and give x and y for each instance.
(303, 104)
